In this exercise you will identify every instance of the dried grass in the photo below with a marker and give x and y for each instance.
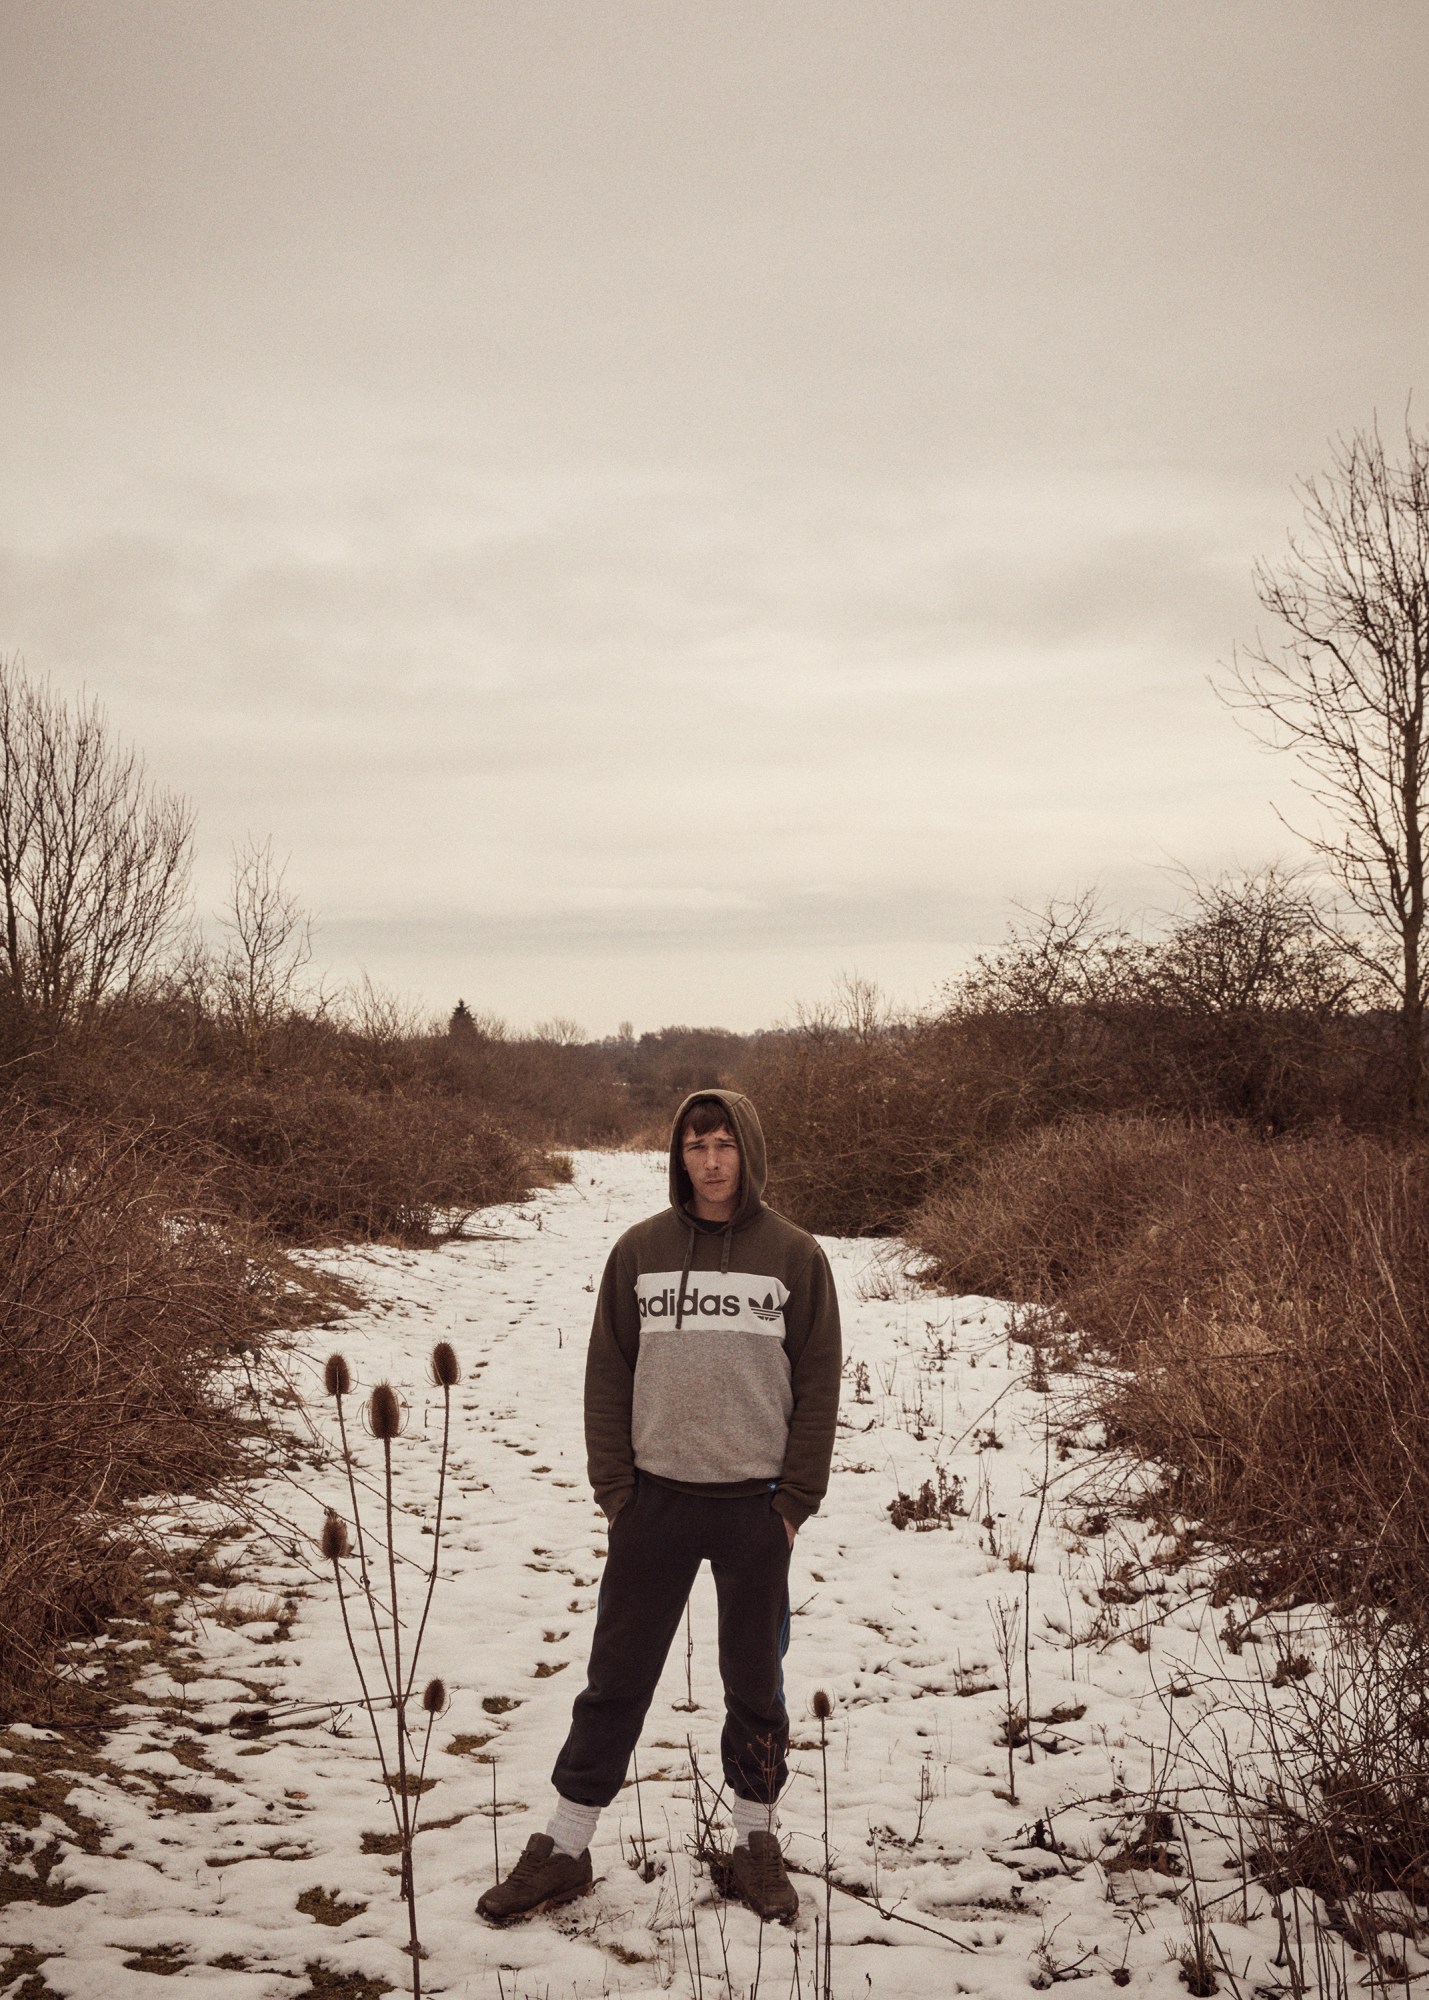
(1267, 1306)
(122, 1300)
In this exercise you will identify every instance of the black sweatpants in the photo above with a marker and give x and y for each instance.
(657, 1542)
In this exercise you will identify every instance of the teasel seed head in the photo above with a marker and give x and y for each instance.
(823, 1707)
(446, 1369)
(333, 1541)
(384, 1412)
(434, 1697)
(337, 1376)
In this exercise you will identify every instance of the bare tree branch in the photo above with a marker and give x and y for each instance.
(1348, 693)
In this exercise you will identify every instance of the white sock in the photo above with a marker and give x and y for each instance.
(571, 1826)
(749, 1816)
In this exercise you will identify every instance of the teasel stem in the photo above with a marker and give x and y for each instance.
(639, 1807)
(434, 1701)
(384, 1417)
(400, 1697)
(445, 1373)
(823, 1707)
(333, 1550)
(338, 1379)
(408, 1888)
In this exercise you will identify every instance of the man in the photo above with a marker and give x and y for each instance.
(711, 1396)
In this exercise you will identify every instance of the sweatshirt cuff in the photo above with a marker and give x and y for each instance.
(795, 1511)
(612, 1500)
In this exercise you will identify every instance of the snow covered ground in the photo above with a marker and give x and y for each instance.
(255, 1859)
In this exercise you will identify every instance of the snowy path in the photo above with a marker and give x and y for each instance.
(201, 1870)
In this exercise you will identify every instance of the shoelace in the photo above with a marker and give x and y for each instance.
(529, 1864)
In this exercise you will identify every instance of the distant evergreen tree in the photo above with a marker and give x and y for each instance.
(461, 1022)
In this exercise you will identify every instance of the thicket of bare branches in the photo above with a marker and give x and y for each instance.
(1241, 1007)
(123, 1295)
(865, 1114)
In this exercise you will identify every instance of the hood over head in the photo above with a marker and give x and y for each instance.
(743, 1121)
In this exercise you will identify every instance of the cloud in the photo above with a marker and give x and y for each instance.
(606, 481)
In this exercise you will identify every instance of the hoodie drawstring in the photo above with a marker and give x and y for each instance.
(726, 1239)
(684, 1275)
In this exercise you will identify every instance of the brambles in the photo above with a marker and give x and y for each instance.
(1054, 1204)
(117, 1334)
(1227, 1276)
(930, 1506)
(863, 1115)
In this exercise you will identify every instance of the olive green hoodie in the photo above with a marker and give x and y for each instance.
(714, 1359)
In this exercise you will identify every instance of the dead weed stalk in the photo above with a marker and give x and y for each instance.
(404, 1788)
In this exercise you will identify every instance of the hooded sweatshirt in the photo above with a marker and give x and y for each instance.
(714, 1360)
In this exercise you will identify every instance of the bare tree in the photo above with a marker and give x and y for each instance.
(1346, 691)
(269, 943)
(1259, 943)
(1060, 957)
(561, 1032)
(381, 1016)
(94, 859)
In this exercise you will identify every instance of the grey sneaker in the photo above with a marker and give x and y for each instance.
(543, 1878)
(758, 1877)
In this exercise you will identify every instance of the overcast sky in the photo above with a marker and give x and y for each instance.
(654, 504)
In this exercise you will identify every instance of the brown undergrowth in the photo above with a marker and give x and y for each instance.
(1256, 1315)
(130, 1311)
(335, 1137)
(1265, 1309)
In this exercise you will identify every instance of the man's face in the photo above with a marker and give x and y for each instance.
(712, 1163)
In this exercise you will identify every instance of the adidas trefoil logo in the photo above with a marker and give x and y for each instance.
(766, 1311)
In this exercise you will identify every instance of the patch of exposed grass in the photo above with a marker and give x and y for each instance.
(326, 1906)
(22, 1962)
(467, 1745)
(391, 1843)
(162, 1959)
(414, 1787)
(35, 1883)
(327, 1983)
